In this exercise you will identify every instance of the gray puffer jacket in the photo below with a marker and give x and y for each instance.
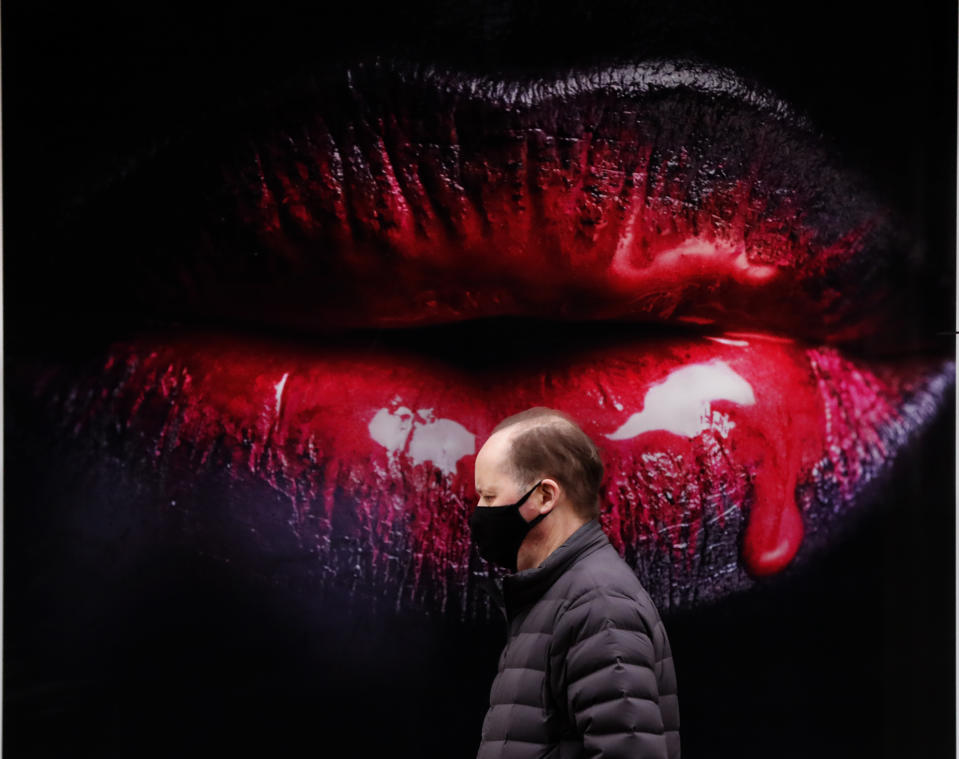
(587, 669)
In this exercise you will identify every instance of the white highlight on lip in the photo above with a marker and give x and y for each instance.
(279, 390)
(728, 341)
(762, 337)
(424, 438)
(444, 442)
(392, 430)
(681, 403)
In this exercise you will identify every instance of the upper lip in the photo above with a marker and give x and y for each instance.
(388, 194)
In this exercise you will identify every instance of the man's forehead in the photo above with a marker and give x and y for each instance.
(492, 461)
(493, 451)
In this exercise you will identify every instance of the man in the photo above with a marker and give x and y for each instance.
(587, 670)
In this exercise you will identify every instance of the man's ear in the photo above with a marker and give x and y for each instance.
(551, 493)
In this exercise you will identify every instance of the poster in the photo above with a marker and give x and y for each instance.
(272, 274)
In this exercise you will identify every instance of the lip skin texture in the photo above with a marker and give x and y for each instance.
(726, 456)
(382, 196)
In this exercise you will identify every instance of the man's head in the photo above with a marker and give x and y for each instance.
(540, 444)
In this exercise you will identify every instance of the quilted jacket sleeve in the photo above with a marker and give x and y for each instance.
(608, 677)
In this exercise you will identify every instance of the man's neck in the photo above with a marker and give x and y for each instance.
(546, 537)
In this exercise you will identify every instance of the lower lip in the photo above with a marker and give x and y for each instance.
(713, 445)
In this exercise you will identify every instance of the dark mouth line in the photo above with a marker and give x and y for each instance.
(455, 342)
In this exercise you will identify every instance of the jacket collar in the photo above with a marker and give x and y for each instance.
(524, 588)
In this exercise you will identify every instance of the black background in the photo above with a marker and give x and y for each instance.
(122, 653)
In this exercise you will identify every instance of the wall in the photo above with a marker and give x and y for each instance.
(273, 274)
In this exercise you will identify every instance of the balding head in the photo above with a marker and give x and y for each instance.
(543, 442)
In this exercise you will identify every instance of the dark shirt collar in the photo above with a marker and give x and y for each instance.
(525, 588)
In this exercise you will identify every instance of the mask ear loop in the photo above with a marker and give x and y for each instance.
(522, 500)
(539, 518)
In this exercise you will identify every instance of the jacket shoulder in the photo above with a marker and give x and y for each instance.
(602, 589)
(604, 570)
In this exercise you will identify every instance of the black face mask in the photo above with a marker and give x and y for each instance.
(498, 531)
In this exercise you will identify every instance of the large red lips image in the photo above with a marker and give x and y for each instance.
(631, 204)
